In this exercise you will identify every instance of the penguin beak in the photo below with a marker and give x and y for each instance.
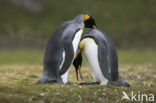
(79, 68)
(77, 74)
(86, 17)
(78, 71)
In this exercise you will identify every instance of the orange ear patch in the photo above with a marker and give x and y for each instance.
(94, 26)
(77, 53)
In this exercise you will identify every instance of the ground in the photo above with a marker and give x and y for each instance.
(20, 69)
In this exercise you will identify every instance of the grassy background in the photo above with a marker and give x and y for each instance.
(20, 69)
(131, 24)
(25, 56)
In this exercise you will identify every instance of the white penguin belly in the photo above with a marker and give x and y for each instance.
(65, 75)
(75, 44)
(76, 40)
(91, 52)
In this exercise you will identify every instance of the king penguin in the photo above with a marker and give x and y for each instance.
(60, 51)
(101, 55)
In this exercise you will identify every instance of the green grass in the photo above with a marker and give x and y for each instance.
(25, 56)
(20, 69)
(21, 57)
(129, 23)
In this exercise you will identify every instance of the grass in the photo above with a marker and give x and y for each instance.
(129, 23)
(20, 69)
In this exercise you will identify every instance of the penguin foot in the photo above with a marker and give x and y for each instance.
(89, 83)
(119, 82)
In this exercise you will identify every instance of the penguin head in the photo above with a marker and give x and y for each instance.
(89, 21)
(77, 64)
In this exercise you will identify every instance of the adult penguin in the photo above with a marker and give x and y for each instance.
(101, 56)
(61, 49)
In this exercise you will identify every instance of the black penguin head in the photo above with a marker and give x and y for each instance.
(78, 60)
(89, 22)
(77, 64)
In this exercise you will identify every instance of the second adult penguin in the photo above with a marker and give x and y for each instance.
(102, 57)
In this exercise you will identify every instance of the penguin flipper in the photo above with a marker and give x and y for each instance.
(102, 58)
(69, 55)
(77, 75)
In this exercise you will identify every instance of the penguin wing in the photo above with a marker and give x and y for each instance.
(69, 55)
(103, 57)
(112, 56)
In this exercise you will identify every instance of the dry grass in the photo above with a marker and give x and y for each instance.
(17, 80)
(17, 85)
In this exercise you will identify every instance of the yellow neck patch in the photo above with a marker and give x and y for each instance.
(86, 17)
(83, 42)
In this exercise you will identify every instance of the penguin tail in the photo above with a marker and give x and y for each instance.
(119, 82)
